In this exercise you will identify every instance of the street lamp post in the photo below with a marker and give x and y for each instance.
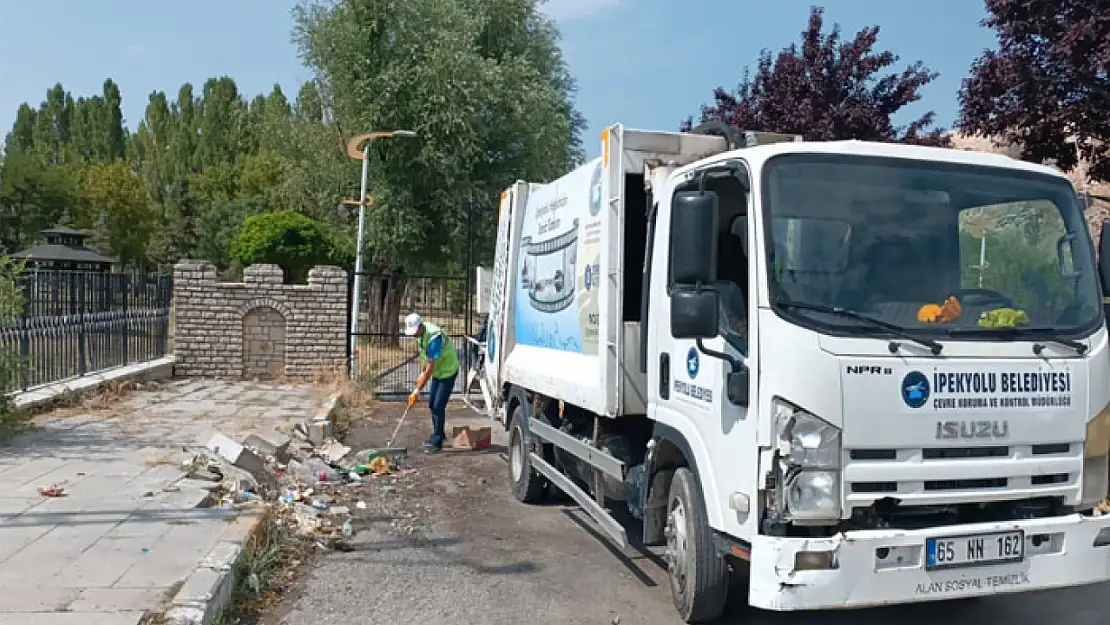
(358, 147)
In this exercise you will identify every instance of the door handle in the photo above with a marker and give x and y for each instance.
(665, 375)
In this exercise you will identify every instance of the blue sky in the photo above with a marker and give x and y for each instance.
(644, 63)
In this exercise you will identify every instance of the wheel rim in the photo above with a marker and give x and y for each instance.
(516, 455)
(677, 544)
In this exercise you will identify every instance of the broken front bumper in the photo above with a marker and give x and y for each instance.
(882, 567)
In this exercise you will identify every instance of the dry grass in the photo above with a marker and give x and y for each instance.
(12, 423)
(374, 358)
(159, 459)
(266, 569)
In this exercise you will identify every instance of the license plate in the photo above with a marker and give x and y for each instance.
(974, 550)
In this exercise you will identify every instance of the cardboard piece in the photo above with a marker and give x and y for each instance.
(469, 438)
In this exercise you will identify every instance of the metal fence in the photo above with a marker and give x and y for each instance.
(388, 359)
(75, 323)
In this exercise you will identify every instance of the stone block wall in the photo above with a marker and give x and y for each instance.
(258, 328)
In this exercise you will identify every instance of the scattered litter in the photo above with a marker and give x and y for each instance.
(380, 466)
(54, 490)
(314, 480)
(254, 582)
(273, 443)
(332, 451)
(318, 431)
(237, 455)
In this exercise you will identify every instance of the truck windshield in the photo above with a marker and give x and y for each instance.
(939, 249)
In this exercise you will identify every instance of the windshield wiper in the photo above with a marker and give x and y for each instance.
(899, 331)
(1047, 334)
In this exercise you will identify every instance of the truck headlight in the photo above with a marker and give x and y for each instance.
(1096, 459)
(809, 453)
(804, 440)
(813, 494)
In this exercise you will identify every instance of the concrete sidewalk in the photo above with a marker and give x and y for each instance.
(128, 532)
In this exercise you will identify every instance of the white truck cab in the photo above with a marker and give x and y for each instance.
(858, 373)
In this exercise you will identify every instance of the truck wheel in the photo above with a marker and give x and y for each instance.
(699, 575)
(528, 486)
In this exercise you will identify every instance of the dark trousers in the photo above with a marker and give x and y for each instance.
(439, 391)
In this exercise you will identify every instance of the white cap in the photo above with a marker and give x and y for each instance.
(412, 323)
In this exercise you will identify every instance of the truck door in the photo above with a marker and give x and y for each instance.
(688, 376)
(499, 334)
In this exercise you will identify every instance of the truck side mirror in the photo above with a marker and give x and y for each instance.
(694, 313)
(736, 385)
(693, 237)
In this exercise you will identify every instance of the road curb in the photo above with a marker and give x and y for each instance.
(208, 590)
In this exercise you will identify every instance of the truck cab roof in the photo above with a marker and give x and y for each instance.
(761, 153)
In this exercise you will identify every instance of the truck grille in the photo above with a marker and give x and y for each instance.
(942, 475)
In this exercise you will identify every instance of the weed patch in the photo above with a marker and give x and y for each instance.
(266, 569)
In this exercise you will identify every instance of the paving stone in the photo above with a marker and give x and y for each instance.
(71, 618)
(16, 539)
(29, 471)
(37, 598)
(116, 599)
(121, 538)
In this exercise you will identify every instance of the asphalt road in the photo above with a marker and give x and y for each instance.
(450, 546)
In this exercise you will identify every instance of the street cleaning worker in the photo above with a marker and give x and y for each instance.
(438, 363)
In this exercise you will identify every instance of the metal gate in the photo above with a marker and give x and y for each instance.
(385, 359)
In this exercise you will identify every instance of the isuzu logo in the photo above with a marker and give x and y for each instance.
(955, 430)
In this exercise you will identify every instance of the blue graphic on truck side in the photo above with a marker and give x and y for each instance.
(557, 279)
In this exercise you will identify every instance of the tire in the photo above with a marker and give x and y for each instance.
(527, 485)
(699, 576)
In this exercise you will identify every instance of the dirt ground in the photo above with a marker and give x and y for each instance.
(446, 543)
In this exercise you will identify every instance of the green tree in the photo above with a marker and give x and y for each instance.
(196, 157)
(11, 305)
(219, 224)
(152, 144)
(484, 84)
(116, 203)
(52, 126)
(221, 123)
(22, 136)
(33, 197)
(288, 239)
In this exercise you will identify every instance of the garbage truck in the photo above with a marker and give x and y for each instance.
(852, 373)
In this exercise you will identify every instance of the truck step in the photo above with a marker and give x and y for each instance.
(591, 455)
(600, 516)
